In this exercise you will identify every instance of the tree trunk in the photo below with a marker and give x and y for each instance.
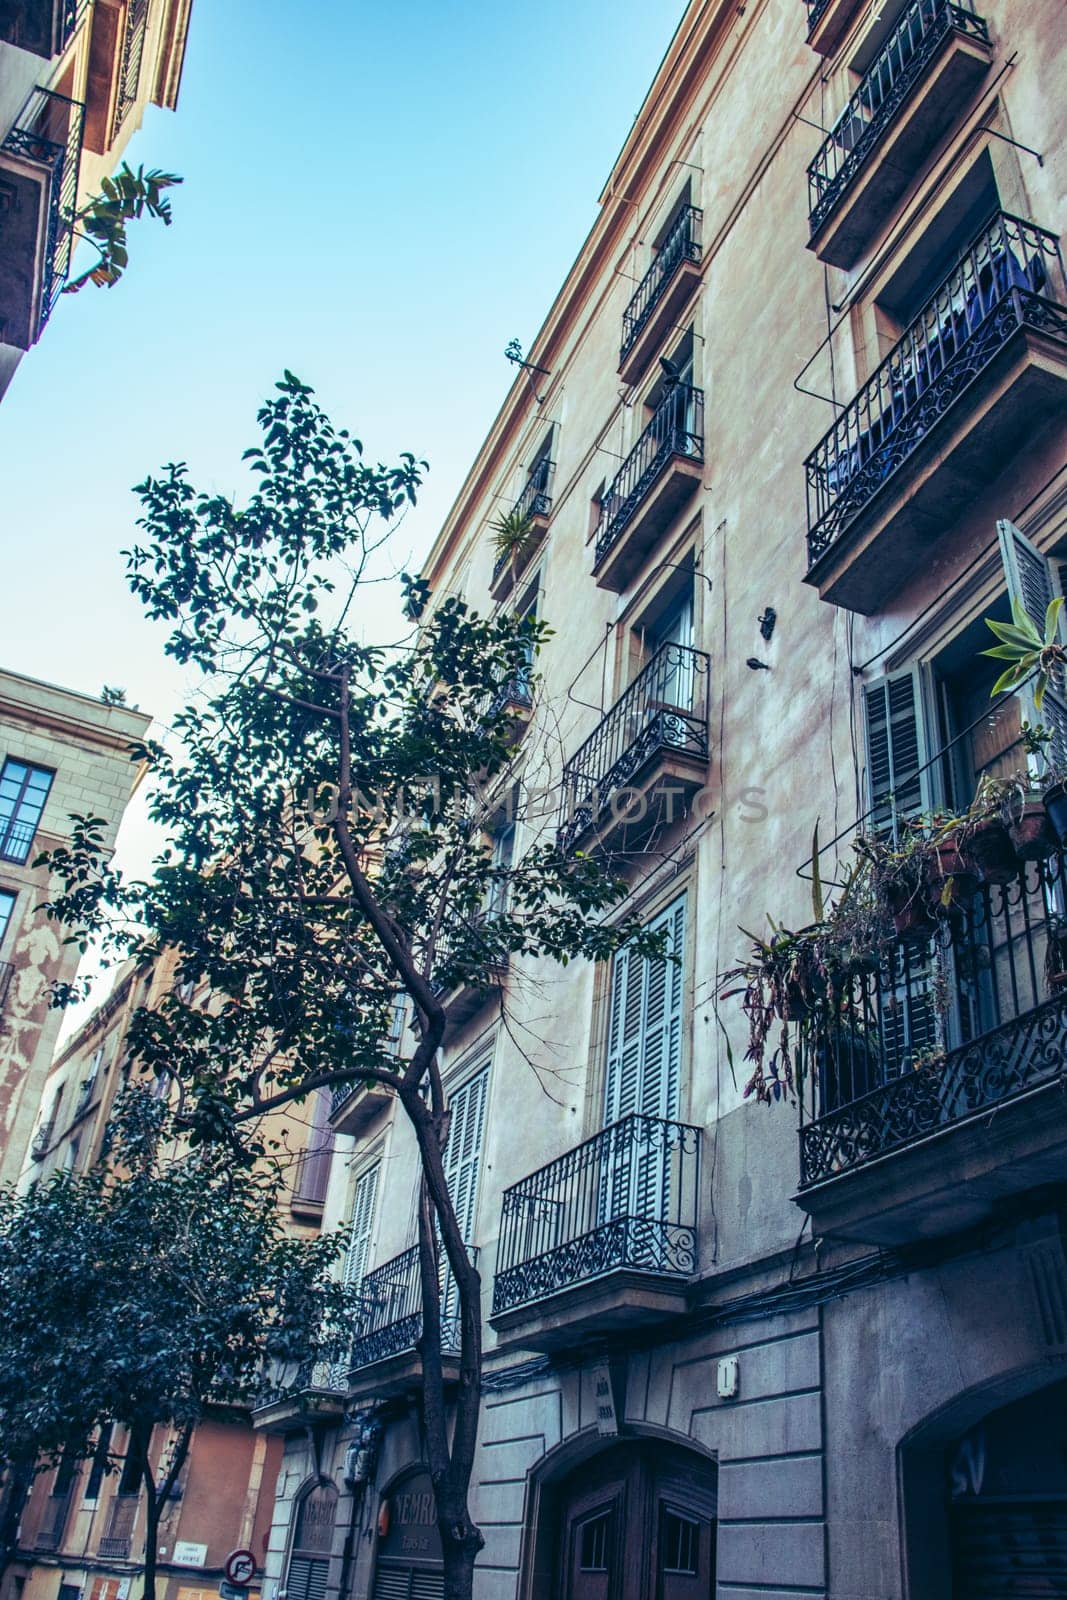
(151, 1539)
(459, 1558)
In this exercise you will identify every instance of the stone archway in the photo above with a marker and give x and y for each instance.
(631, 1519)
(407, 1556)
(308, 1569)
(985, 1494)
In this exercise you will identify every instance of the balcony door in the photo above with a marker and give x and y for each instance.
(668, 642)
(643, 1075)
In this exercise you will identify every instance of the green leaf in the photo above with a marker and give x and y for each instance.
(1052, 617)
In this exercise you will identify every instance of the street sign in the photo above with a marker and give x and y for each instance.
(240, 1567)
(232, 1591)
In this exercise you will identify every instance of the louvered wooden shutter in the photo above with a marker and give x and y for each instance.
(1029, 580)
(645, 1027)
(462, 1162)
(897, 779)
(363, 1206)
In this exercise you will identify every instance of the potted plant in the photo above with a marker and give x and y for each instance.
(512, 532)
(1029, 824)
(984, 837)
(1036, 654)
(899, 875)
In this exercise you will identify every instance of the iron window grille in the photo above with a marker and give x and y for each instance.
(886, 86)
(1004, 282)
(626, 1198)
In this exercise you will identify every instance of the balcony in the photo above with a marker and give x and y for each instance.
(300, 1396)
(661, 472)
(605, 1238)
(117, 1542)
(980, 369)
(827, 22)
(934, 1086)
(44, 27)
(535, 502)
(661, 295)
(38, 187)
(933, 61)
(355, 1107)
(646, 760)
(385, 1360)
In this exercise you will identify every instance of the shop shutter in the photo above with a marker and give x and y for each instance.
(1009, 1552)
(306, 1579)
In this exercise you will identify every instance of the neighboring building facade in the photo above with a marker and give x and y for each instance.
(61, 753)
(81, 1532)
(75, 79)
(775, 422)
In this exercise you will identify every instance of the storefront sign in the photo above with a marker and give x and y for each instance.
(607, 1423)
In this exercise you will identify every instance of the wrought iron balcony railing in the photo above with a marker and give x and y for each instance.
(16, 840)
(676, 429)
(534, 501)
(625, 1199)
(7, 972)
(48, 132)
(133, 41)
(943, 1029)
(116, 1543)
(391, 1322)
(44, 26)
(682, 243)
(1010, 278)
(664, 709)
(816, 10)
(872, 110)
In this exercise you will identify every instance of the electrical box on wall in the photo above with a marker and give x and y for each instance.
(729, 1378)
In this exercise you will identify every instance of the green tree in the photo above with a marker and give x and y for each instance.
(329, 805)
(153, 1288)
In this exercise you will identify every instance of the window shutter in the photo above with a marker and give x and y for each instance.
(1029, 579)
(463, 1152)
(363, 1206)
(898, 783)
(623, 1079)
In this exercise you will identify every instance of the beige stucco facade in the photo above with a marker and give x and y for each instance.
(813, 1447)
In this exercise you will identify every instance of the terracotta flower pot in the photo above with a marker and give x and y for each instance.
(991, 853)
(913, 920)
(1032, 834)
(950, 865)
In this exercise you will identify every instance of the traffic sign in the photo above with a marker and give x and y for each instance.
(231, 1591)
(240, 1566)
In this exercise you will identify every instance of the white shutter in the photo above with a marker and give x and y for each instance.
(898, 780)
(1029, 581)
(363, 1207)
(463, 1152)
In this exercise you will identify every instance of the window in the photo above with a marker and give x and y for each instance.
(136, 1449)
(88, 1084)
(23, 792)
(7, 906)
(462, 1163)
(679, 1544)
(594, 1543)
(596, 503)
(98, 1468)
(313, 1164)
(503, 854)
(363, 1209)
(645, 1027)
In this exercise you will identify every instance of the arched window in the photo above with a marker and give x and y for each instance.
(309, 1559)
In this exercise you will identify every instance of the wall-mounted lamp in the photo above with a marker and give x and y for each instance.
(767, 621)
(757, 666)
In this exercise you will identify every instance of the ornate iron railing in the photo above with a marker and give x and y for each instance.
(892, 76)
(7, 972)
(816, 11)
(534, 501)
(626, 1198)
(44, 26)
(133, 40)
(1005, 281)
(682, 243)
(345, 1091)
(665, 708)
(16, 839)
(942, 1028)
(115, 1544)
(676, 429)
(391, 1321)
(48, 132)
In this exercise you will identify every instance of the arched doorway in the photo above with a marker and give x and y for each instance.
(309, 1556)
(1006, 1487)
(407, 1563)
(637, 1522)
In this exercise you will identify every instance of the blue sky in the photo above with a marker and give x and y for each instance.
(377, 197)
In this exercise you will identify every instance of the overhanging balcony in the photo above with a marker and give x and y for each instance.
(385, 1360)
(661, 472)
(827, 21)
(300, 1395)
(38, 187)
(602, 1239)
(659, 298)
(981, 369)
(44, 27)
(534, 503)
(933, 1088)
(355, 1107)
(911, 95)
(646, 760)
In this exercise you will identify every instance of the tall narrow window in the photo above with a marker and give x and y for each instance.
(463, 1162)
(645, 1026)
(363, 1207)
(23, 792)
